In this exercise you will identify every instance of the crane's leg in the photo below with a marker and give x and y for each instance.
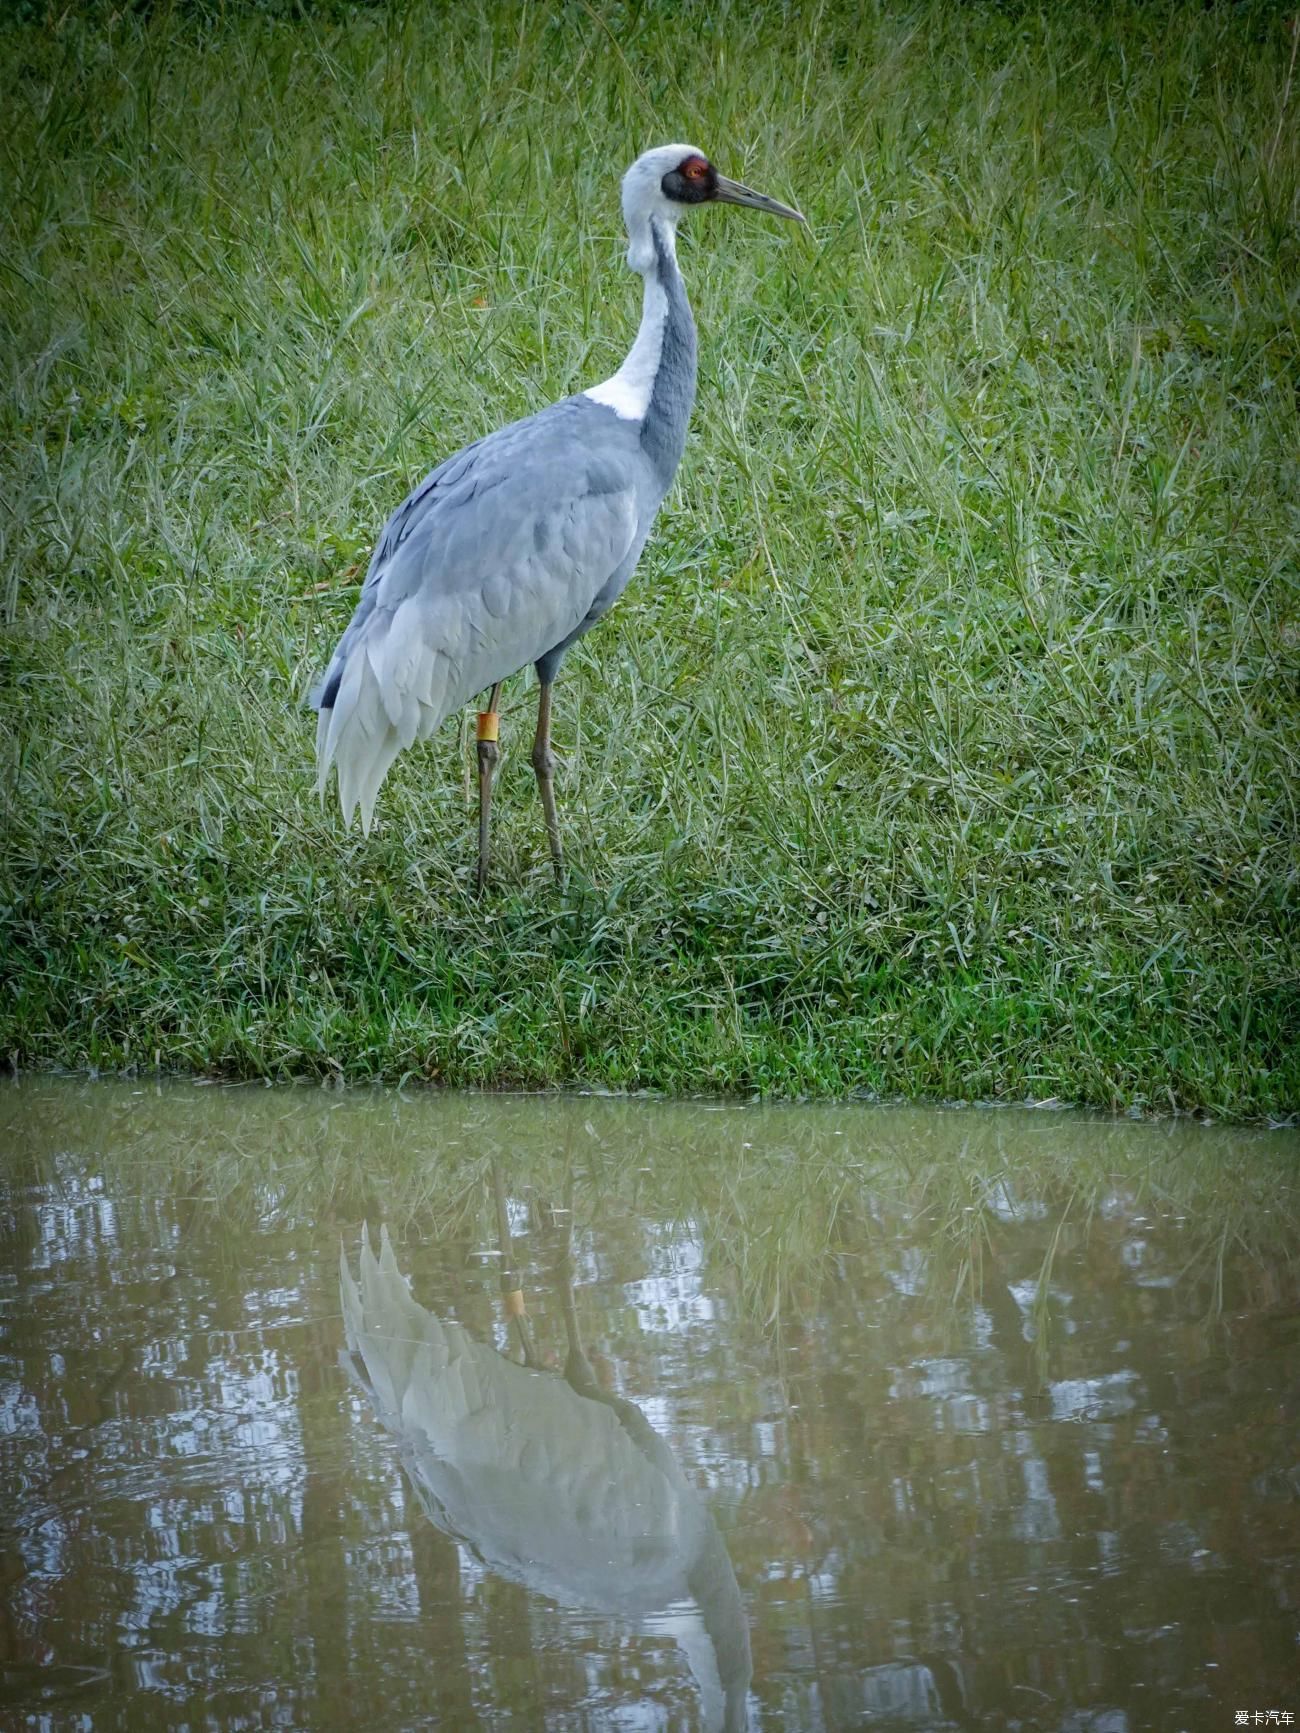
(512, 1282)
(544, 765)
(488, 754)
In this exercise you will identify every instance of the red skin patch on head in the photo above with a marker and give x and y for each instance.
(694, 168)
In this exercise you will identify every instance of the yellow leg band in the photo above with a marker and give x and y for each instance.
(488, 725)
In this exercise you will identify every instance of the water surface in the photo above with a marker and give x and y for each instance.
(688, 1417)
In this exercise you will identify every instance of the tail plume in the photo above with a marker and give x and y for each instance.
(355, 733)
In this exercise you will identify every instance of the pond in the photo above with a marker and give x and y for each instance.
(325, 1410)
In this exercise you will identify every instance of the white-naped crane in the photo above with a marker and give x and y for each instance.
(553, 1481)
(513, 548)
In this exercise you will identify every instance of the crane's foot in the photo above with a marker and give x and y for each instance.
(489, 754)
(544, 766)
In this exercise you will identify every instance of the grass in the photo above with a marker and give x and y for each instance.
(945, 744)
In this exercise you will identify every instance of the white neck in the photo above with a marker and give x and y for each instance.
(628, 391)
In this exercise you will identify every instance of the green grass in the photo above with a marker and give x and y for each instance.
(946, 742)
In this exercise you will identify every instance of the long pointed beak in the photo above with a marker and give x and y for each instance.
(732, 193)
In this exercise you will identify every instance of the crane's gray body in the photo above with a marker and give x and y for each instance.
(508, 551)
(555, 1483)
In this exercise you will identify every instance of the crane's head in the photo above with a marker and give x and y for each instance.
(665, 183)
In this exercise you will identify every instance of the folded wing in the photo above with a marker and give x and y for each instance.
(494, 559)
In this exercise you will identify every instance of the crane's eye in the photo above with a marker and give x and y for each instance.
(691, 182)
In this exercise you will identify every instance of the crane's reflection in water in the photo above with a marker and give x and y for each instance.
(552, 1481)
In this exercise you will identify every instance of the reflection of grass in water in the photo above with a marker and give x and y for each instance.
(781, 1201)
(786, 1230)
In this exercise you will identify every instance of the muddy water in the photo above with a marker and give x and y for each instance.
(636, 1416)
